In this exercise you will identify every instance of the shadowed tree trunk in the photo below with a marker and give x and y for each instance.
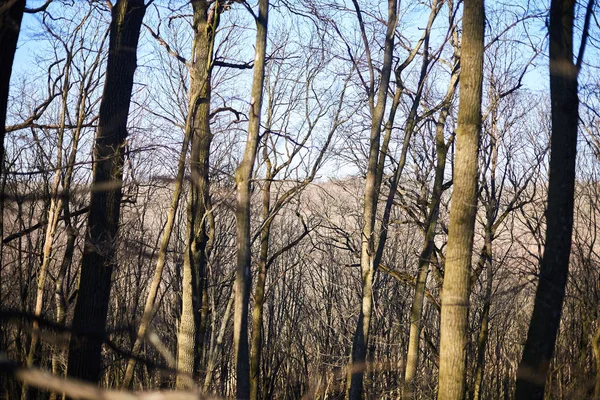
(98, 261)
(11, 13)
(243, 175)
(545, 320)
(455, 295)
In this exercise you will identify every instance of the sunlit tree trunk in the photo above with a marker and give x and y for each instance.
(189, 341)
(416, 313)
(89, 320)
(455, 295)
(243, 175)
(367, 256)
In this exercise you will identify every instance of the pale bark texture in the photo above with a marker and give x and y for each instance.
(545, 320)
(89, 320)
(189, 340)
(455, 295)
(243, 175)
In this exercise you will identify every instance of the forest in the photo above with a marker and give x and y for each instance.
(299, 199)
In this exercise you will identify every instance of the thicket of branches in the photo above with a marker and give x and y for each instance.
(299, 199)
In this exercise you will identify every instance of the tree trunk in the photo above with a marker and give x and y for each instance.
(243, 175)
(10, 26)
(367, 255)
(416, 313)
(89, 330)
(545, 320)
(455, 295)
(189, 341)
(259, 292)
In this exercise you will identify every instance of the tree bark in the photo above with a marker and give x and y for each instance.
(189, 341)
(243, 175)
(545, 320)
(89, 330)
(455, 295)
(11, 14)
(367, 255)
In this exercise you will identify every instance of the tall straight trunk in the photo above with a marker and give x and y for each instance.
(455, 295)
(416, 313)
(189, 340)
(547, 309)
(89, 319)
(11, 14)
(367, 254)
(243, 175)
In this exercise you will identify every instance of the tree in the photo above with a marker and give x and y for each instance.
(554, 268)
(455, 295)
(11, 13)
(377, 101)
(206, 22)
(98, 261)
(243, 175)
